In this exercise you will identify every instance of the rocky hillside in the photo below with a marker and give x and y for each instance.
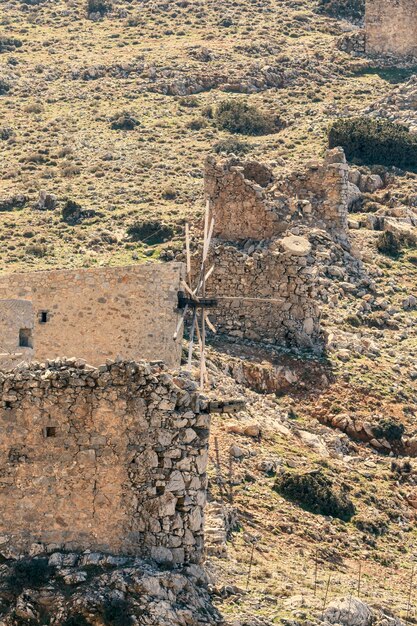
(107, 113)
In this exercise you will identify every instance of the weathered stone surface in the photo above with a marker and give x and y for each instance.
(391, 28)
(140, 592)
(94, 314)
(265, 272)
(349, 612)
(88, 460)
(298, 246)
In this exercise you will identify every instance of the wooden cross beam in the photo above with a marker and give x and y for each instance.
(194, 302)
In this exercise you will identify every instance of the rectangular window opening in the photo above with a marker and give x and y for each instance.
(43, 317)
(25, 338)
(50, 431)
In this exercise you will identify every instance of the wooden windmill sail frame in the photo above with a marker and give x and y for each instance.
(196, 297)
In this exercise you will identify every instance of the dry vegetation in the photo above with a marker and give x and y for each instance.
(118, 114)
(114, 118)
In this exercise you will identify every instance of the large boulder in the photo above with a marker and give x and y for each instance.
(349, 611)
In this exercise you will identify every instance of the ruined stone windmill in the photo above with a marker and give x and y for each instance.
(194, 299)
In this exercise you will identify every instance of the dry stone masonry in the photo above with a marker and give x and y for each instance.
(108, 459)
(94, 314)
(265, 274)
(391, 28)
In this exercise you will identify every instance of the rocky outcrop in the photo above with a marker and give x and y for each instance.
(400, 105)
(349, 611)
(61, 588)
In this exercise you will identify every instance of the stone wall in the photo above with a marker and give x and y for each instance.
(321, 193)
(249, 202)
(265, 270)
(391, 27)
(16, 328)
(94, 314)
(111, 459)
(278, 282)
(238, 202)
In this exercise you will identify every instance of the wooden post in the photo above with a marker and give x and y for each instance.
(325, 596)
(230, 478)
(250, 565)
(316, 564)
(410, 593)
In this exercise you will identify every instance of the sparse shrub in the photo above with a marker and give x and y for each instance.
(237, 116)
(37, 249)
(387, 428)
(13, 202)
(6, 132)
(29, 573)
(353, 10)
(232, 146)
(375, 141)
(4, 87)
(98, 6)
(401, 470)
(226, 22)
(317, 492)
(197, 123)
(377, 525)
(388, 243)
(71, 212)
(189, 102)
(35, 107)
(353, 320)
(36, 157)
(70, 169)
(124, 121)
(151, 232)
(169, 193)
(208, 112)
(116, 612)
(8, 44)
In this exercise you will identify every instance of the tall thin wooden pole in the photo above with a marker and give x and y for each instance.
(325, 596)
(316, 565)
(250, 566)
(410, 593)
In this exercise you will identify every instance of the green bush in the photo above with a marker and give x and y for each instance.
(71, 212)
(317, 492)
(4, 87)
(387, 428)
(353, 10)
(375, 525)
(151, 232)
(388, 243)
(29, 573)
(237, 116)
(232, 146)
(8, 44)
(98, 6)
(117, 613)
(124, 120)
(375, 142)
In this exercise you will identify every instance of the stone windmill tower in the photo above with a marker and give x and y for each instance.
(391, 28)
